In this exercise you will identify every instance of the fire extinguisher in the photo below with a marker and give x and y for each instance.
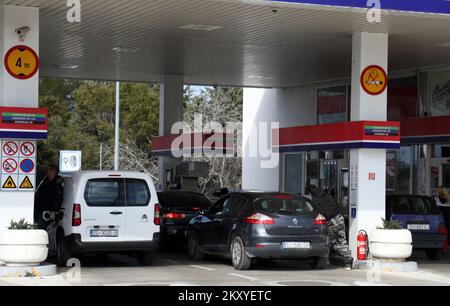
(362, 245)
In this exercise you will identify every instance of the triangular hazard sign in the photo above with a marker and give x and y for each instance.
(26, 183)
(9, 184)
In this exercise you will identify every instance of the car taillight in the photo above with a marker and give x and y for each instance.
(320, 220)
(76, 215)
(157, 216)
(172, 215)
(259, 219)
(442, 229)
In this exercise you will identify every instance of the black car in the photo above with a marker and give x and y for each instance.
(177, 209)
(247, 226)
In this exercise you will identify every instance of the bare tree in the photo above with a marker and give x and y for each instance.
(132, 158)
(221, 105)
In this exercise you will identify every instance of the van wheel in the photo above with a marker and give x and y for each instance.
(63, 253)
(319, 263)
(239, 258)
(193, 247)
(434, 254)
(145, 258)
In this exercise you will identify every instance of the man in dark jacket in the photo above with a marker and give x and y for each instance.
(48, 197)
(327, 206)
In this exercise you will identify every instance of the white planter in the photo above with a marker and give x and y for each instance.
(390, 244)
(23, 247)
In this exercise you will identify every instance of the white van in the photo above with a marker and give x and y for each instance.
(107, 212)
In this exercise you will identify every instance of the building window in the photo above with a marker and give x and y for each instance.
(293, 173)
(446, 175)
(440, 94)
(404, 165)
(402, 98)
(332, 104)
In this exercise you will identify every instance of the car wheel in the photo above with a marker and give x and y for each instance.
(194, 248)
(319, 263)
(239, 258)
(434, 254)
(63, 253)
(145, 258)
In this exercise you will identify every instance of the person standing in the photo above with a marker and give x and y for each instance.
(327, 206)
(48, 197)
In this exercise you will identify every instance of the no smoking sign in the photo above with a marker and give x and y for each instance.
(10, 148)
(9, 165)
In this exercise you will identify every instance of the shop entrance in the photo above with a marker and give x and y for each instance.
(329, 170)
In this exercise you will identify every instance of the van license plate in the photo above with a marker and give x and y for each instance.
(107, 233)
(419, 227)
(296, 245)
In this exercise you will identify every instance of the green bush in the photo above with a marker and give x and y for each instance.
(391, 225)
(21, 225)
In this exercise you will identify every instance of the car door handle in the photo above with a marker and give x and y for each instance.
(115, 213)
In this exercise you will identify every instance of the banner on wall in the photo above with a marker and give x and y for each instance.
(440, 94)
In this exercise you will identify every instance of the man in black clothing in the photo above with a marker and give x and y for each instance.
(327, 206)
(48, 197)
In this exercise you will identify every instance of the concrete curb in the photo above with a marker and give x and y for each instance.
(387, 266)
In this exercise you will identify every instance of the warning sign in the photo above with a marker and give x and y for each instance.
(9, 184)
(374, 80)
(26, 184)
(9, 165)
(10, 148)
(27, 149)
(18, 165)
(21, 62)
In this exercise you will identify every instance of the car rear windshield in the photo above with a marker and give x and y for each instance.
(284, 204)
(116, 192)
(413, 206)
(184, 200)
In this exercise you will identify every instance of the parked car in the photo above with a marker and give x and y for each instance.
(177, 209)
(247, 226)
(107, 212)
(421, 216)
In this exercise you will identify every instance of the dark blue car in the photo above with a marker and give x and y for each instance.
(422, 217)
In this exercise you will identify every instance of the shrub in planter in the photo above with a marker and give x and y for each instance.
(391, 241)
(23, 244)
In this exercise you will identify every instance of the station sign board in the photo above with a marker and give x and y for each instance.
(415, 6)
(23, 123)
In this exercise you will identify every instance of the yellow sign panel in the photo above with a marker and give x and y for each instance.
(374, 80)
(26, 184)
(9, 184)
(21, 62)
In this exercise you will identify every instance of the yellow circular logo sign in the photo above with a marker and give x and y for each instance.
(374, 80)
(21, 62)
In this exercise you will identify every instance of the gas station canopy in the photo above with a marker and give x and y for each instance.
(236, 43)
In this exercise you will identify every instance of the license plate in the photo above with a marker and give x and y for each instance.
(419, 227)
(296, 245)
(104, 233)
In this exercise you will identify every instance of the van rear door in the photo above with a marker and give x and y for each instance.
(104, 210)
(140, 210)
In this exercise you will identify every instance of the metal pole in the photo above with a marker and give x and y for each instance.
(117, 127)
(101, 156)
